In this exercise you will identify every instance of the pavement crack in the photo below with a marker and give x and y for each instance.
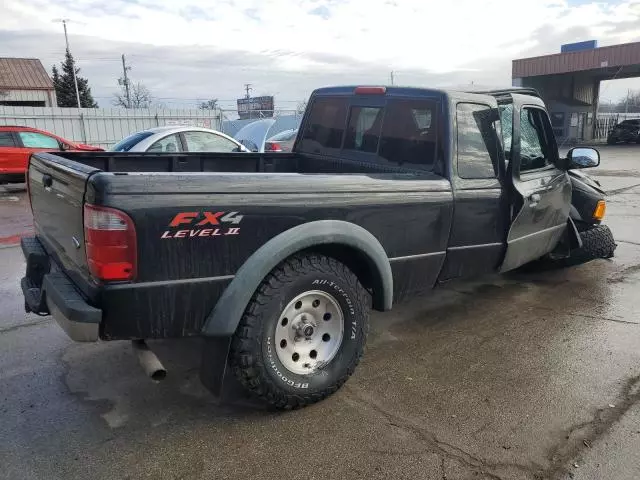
(621, 190)
(590, 317)
(25, 325)
(622, 275)
(627, 241)
(443, 470)
(439, 447)
(583, 435)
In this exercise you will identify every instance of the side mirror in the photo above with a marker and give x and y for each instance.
(64, 147)
(582, 157)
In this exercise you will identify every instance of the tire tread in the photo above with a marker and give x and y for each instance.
(247, 364)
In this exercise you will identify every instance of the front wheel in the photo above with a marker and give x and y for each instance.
(303, 333)
(597, 242)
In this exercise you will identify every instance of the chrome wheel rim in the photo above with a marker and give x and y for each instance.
(309, 332)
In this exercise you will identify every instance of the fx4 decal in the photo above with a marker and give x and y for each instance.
(203, 224)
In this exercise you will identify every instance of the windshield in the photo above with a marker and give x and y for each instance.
(129, 142)
(253, 136)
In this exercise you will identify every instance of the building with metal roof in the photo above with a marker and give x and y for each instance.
(569, 82)
(24, 82)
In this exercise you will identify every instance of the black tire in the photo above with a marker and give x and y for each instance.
(254, 360)
(597, 242)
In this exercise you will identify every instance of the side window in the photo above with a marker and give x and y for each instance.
(477, 141)
(208, 142)
(409, 133)
(325, 126)
(170, 143)
(6, 139)
(506, 119)
(38, 140)
(363, 130)
(534, 144)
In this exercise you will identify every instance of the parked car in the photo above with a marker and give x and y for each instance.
(18, 143)
(254, 135)
(626, 131)
(282, 142)
(169, 139)
(276, 259)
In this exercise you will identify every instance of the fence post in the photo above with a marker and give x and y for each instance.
(84, 128)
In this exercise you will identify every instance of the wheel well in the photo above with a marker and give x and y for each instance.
(360, 264)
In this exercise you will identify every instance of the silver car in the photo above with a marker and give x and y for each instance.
(178, 139)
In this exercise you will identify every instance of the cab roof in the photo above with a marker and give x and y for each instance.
(422, 91)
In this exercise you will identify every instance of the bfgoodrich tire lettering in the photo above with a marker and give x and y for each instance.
(254, 357)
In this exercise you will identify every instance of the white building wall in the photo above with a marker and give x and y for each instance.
(46, 96)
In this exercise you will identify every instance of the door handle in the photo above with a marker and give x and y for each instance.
(534, 199)
(47, 180)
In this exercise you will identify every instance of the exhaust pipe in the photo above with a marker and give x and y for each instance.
(149, 361)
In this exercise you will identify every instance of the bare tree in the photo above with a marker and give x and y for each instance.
(302, 106)
(139, 95)
(209, 104)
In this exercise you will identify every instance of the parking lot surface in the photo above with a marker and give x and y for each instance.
(521, 376)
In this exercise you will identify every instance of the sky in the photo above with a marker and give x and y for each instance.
(191, 50)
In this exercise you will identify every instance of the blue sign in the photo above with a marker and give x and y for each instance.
(579, 46)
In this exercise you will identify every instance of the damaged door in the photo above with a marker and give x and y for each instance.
(540, 191)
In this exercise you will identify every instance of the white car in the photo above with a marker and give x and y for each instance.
(178, 139)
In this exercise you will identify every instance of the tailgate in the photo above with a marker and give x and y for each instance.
(56, 189)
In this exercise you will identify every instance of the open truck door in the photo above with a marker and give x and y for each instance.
(540, 187)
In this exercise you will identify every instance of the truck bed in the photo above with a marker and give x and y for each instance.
(127, 162)
(184, 266)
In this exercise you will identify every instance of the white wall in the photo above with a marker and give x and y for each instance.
(46, 96)
(103, 127)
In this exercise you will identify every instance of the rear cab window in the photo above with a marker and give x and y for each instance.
(393, 132)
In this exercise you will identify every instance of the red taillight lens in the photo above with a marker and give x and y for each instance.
(110, 241)
(370, 90)
(272, 147)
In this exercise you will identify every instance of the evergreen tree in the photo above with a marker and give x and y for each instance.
(65, 87)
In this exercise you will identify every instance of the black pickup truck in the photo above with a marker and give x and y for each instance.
(276, 259)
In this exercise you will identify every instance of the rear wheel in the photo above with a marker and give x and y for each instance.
(303, 332)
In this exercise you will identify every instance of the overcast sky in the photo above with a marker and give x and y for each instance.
(195, 49)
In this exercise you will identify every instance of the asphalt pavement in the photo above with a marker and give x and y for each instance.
(520, 376)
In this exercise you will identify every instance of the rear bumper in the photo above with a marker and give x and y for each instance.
(53, 293)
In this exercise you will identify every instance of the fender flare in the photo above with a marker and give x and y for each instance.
(225, 316)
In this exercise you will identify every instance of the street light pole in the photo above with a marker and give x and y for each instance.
(73, 64)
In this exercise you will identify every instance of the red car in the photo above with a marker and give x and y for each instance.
(18, 143)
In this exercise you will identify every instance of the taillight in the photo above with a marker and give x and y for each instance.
(110, 242)
(272, 147)
(370, 90)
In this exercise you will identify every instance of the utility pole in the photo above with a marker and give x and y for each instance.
(391, 77)
(626, 104)
(125, 81)
(247, 88)
(66, 39)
